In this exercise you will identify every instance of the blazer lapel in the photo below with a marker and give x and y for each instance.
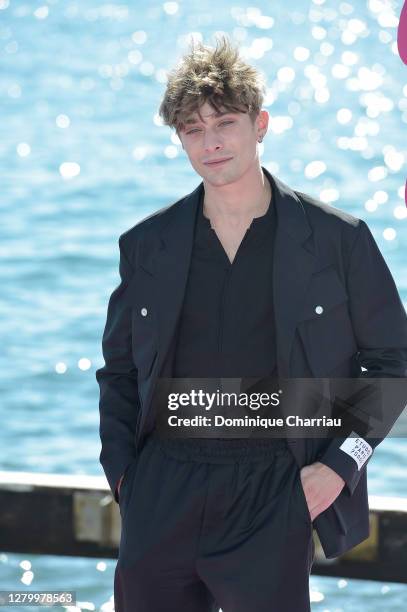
(294, 263)
(167, 257)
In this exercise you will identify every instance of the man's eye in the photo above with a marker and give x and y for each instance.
(197, 129)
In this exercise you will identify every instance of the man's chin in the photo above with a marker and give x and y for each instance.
(219, 178)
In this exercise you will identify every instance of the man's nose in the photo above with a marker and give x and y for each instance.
(212, 142)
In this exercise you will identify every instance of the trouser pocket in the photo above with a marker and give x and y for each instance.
(126, 485)
(303, 501)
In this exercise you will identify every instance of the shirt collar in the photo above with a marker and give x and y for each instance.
(259, 227)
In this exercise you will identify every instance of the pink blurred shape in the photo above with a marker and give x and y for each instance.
(402, 34)
(402, 49)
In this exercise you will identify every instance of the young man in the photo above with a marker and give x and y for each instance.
(243, 277)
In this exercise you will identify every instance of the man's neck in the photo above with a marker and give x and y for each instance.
(238, 211)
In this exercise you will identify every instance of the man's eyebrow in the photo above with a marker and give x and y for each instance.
(197, 120)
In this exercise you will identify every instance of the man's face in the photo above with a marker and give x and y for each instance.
(230, 135)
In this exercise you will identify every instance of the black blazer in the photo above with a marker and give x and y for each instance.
(323, 256)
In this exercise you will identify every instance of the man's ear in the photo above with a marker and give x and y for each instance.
(262, 120)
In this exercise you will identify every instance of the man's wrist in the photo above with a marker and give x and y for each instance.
(328, 469)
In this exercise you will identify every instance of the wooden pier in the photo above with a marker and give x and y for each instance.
(57, 514)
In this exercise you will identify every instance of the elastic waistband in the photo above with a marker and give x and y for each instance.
(215, 450)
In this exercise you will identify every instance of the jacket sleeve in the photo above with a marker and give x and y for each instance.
(119, 403)
(380, 326)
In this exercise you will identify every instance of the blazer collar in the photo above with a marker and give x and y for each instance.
(176, 232)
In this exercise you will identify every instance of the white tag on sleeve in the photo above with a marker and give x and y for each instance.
(358, 449)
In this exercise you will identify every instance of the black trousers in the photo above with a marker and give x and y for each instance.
(222, 526)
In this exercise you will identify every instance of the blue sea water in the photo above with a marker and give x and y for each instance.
(84, 157)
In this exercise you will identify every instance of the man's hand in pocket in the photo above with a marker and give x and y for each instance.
(321, 485)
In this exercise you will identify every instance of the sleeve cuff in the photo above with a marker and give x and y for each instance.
(347, 457)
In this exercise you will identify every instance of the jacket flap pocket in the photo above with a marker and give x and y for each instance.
(325, 325)
(324, 293)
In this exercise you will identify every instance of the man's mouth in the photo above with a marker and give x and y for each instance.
(218, 162)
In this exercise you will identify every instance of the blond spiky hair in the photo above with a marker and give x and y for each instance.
(214, 75)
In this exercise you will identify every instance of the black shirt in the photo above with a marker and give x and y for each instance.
(226, 326)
